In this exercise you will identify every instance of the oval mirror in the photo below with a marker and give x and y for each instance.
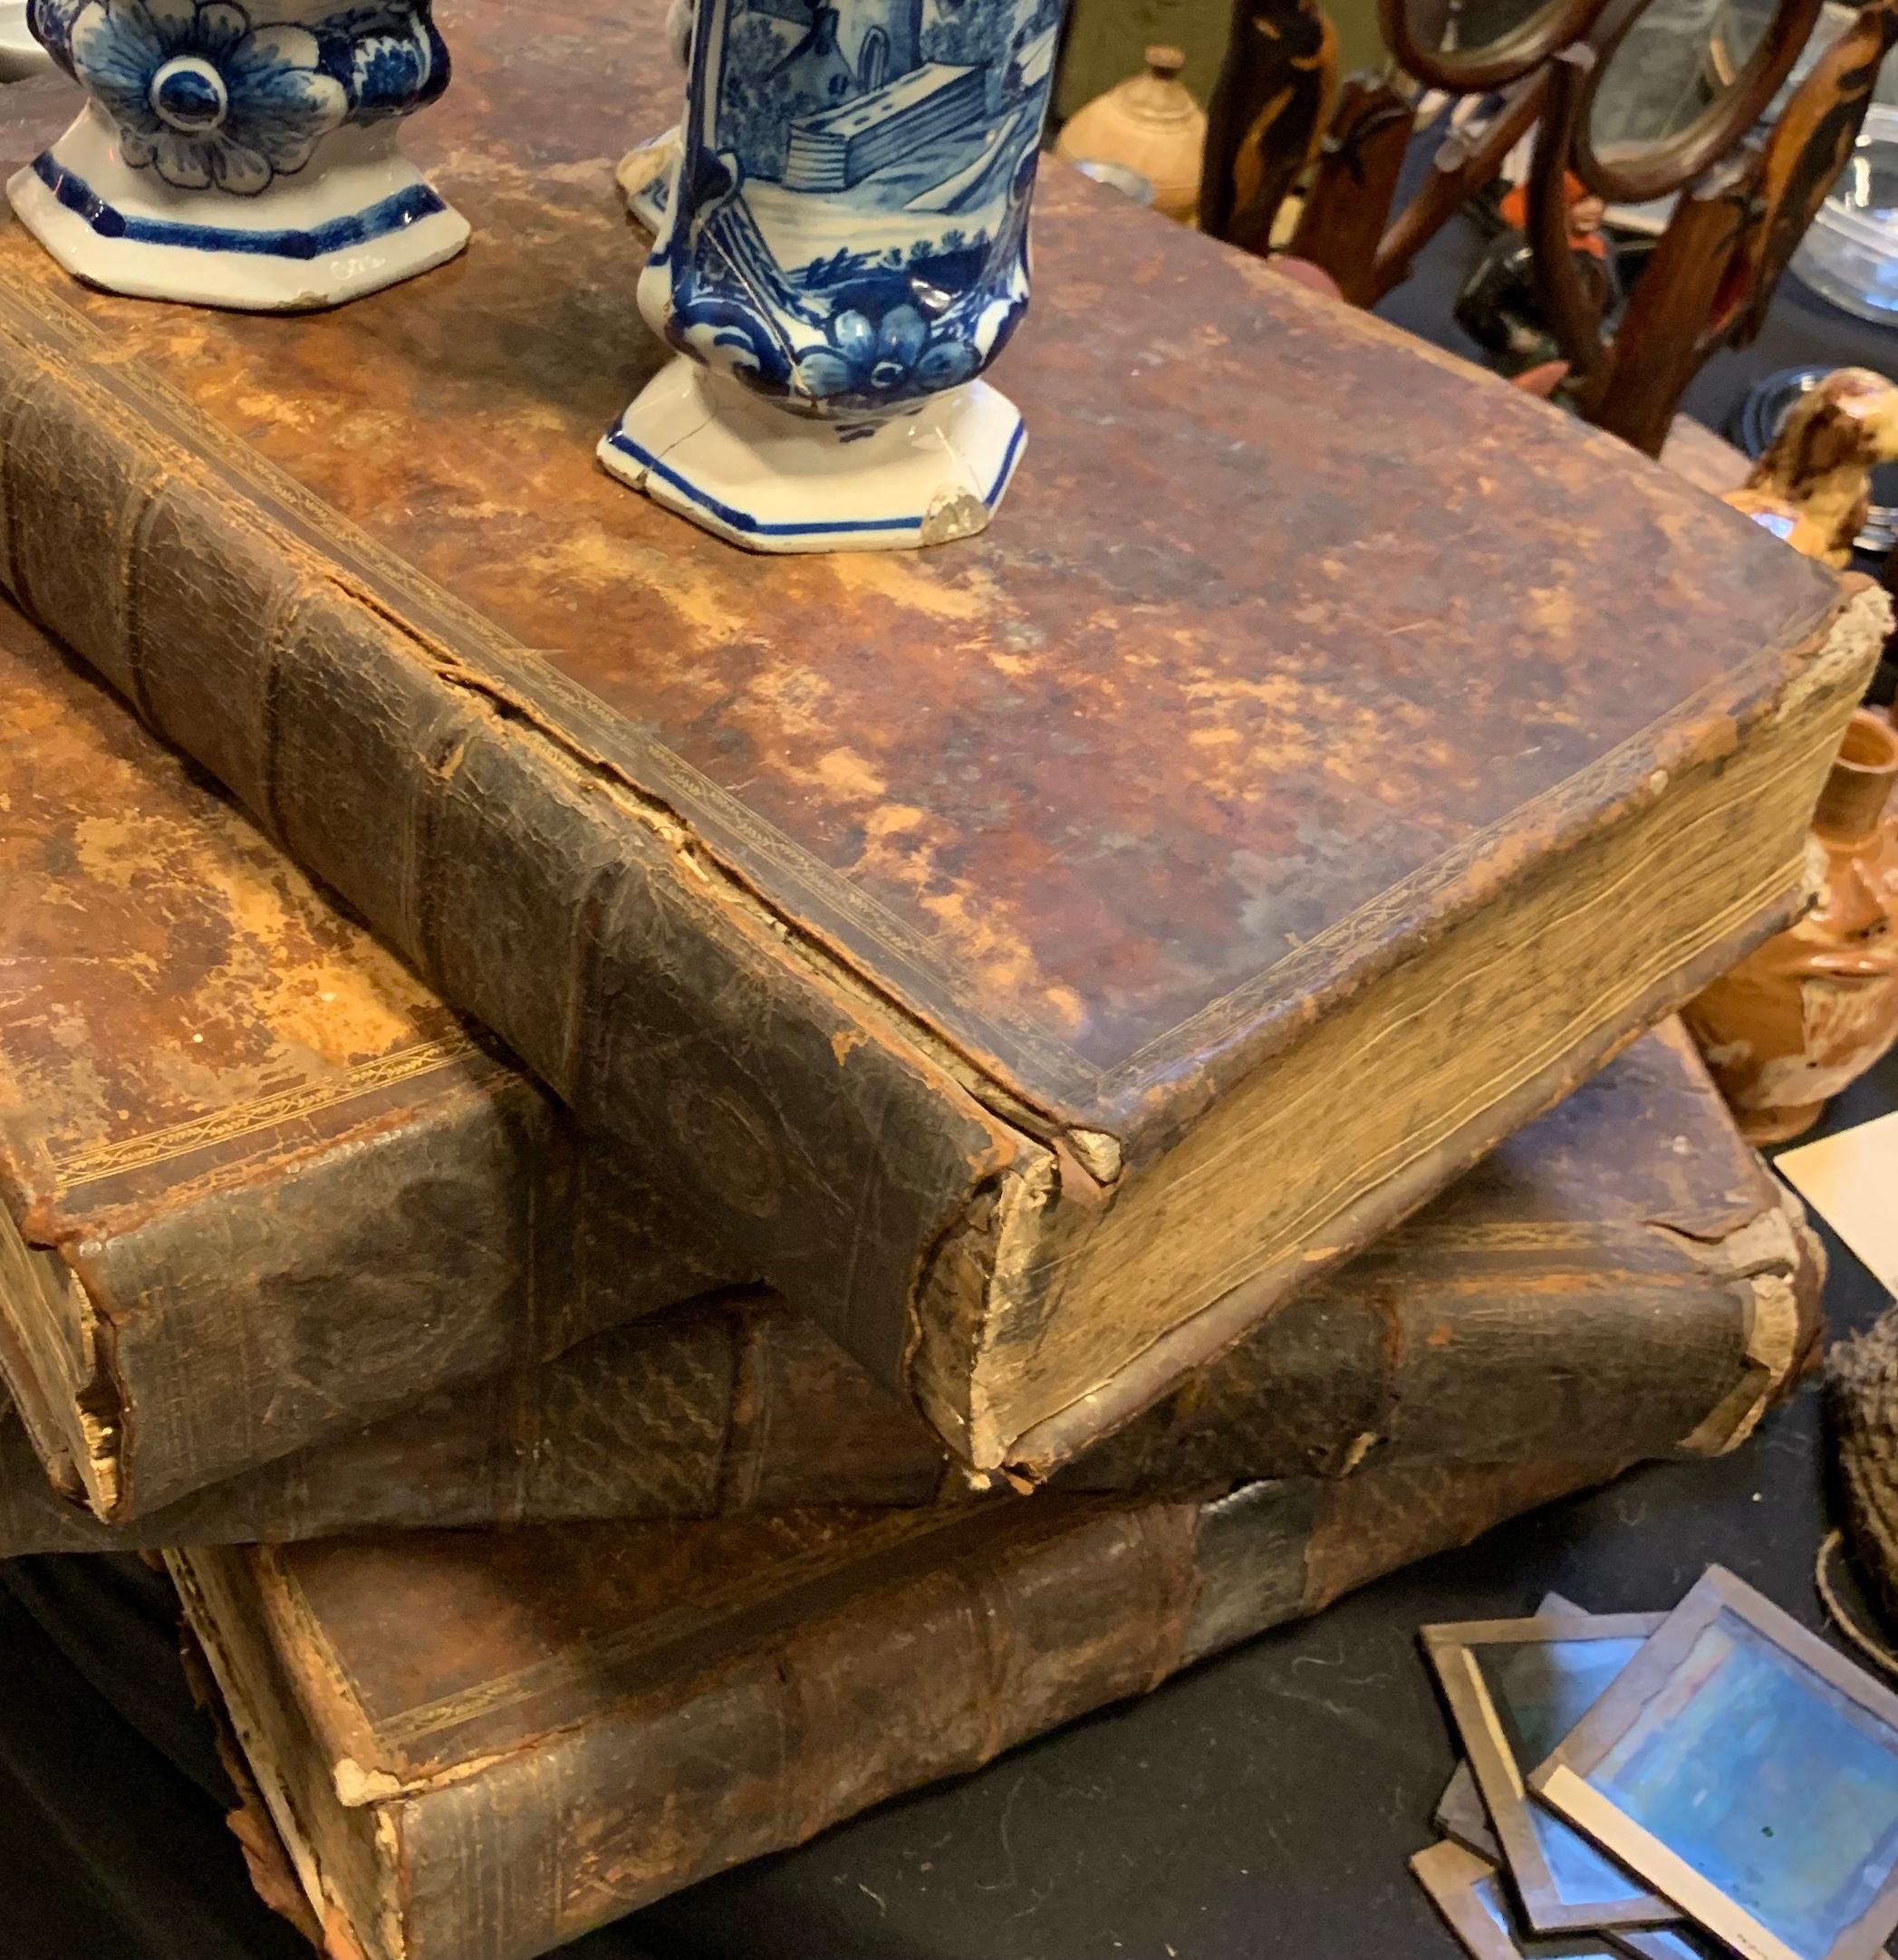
(1470, 45)
(1677, 83)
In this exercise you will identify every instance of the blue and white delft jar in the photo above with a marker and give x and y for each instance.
(240, 152)
(841, 250)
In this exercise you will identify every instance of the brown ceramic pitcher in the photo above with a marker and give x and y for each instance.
(1815, 1007)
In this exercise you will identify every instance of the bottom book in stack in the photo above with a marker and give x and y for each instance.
(477, 1745)
(485, 1744)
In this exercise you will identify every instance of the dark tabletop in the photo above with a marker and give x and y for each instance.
(1260, 1807)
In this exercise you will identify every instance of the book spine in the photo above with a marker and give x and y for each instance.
(931, 1679)
(1530, 1350)
(236, 1322)
(538, 887)
(720, 1407)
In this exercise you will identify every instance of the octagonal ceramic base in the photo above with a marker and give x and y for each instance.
(774, 482)
(20, 53)
(358, 217)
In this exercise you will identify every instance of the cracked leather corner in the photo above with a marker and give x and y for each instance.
(356, 1788)
(979, 1278)
(1775, 1263)
(1098, 1153)
(71, 1402)
(360, 1789)
(1843, 649)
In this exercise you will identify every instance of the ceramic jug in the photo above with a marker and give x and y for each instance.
(842, 250)
(1150, 124)
(1815, 1007)
(240, 152)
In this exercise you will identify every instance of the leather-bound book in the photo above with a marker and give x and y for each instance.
(1628, 1242)
(1035, 957)
(489, 1742)
(257, 1183)
(260, 1189)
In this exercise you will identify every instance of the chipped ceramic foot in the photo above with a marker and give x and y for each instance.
(360, 217)
(20, 54)
(776, 482)
(645, 178)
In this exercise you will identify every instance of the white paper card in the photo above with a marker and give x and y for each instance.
(1851, 1180)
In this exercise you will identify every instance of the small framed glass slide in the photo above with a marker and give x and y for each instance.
(1469, 1893)
(1748, 1772)
(1515, 1689)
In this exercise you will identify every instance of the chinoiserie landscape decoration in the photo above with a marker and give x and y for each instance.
(840, 252)
(240, 155)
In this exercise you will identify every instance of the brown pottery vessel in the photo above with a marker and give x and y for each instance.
(1815, 1007)
(1148, 124)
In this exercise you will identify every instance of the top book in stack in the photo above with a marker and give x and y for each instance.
(1035, 957)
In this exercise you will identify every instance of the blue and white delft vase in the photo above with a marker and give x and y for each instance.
(240, 152)
(841, 250)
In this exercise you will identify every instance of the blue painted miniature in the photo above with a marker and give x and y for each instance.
(240, 152)
(842, 250)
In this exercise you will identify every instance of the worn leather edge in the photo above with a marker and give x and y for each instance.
(1212, 1576)
(1778, 1264)
(1037, 1452)
(330, 1854)
(1233, 1037)
(156, 1311)
(73, 1433)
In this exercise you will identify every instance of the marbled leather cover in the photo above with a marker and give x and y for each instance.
(933, 928)
(285, 1192)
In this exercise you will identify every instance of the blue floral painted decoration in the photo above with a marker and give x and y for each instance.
(209, 101)
(896, 358)
(848, 232)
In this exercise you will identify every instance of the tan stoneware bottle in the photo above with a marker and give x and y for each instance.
(1815, 1007)
(1149, 124)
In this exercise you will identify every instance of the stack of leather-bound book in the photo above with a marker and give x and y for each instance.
(691, 1189)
